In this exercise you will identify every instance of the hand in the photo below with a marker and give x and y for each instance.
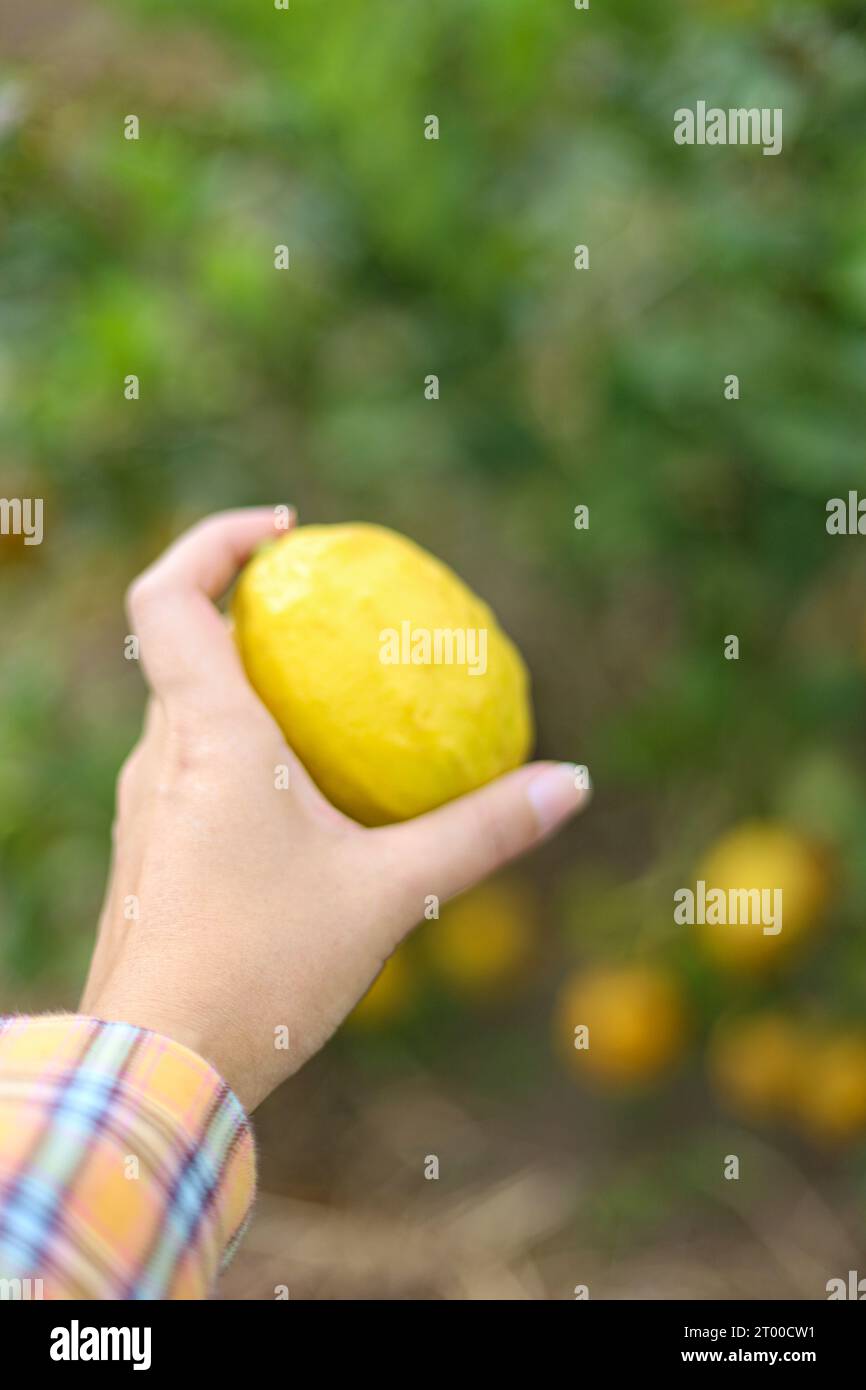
(235, 909)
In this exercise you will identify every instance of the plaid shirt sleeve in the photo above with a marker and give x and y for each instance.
(127, 1167)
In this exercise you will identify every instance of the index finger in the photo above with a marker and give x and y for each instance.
(184, 642)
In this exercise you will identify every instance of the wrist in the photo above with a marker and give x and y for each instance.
(179, 1027)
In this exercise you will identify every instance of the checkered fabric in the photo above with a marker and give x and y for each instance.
(127, 1166)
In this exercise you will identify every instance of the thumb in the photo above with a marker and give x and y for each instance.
(448, 850)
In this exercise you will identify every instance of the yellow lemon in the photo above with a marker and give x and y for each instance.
(831, 1103)
(389, 996)
(754, 1064)
(390, 679)
(621, 1024)
(484, 939)
(789, 875)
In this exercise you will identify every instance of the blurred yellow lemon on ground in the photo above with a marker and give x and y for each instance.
(621, 1025)
(389, 996)
(831, 1103)
(390, 679)
(761, 855)
(484, 939)
(754, 1064)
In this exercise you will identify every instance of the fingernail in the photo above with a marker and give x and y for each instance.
(556, 793)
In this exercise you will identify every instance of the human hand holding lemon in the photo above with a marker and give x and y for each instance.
(264, 911)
